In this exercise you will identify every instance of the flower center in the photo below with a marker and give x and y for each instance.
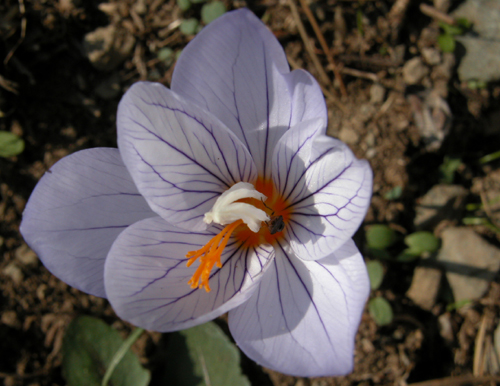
(243, 209)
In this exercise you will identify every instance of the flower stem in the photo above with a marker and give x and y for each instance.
(120, 353)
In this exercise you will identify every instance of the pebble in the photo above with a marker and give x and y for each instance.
(348, 135)
(377, 93)
(26, 256)
(414, 71)
(481, 61)
(431, 55)
(470, 263)
(425, 287)
(14, 272)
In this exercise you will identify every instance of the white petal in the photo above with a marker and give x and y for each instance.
(146, 277)
(327, 188)
(180, 157)
(303, 318)
(234, 69)
(308, 101)
(76, 212)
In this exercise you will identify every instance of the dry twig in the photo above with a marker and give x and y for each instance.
(22, 10)
(324, 46)
(436, 14)
(309, 48)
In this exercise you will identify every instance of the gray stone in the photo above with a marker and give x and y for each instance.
(484, 16)
(425, 287)
(414, 71)
(481, 61)
(470, 263)
(441, 202)
(107, 47)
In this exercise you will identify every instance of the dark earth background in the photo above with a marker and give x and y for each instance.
(393, 96)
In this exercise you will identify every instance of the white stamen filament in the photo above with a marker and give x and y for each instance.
(226, 211)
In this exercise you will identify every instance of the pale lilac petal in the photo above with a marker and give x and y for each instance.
(76, 212)
(308, 101)
(147, 279)
(327, 188)
(303, 318)
(180, 157)
(234, 69)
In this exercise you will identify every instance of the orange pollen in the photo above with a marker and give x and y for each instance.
(209, 256)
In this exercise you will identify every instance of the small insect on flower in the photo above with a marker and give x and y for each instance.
(276, 224)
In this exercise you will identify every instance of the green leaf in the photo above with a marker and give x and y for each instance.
(359, 22)
(476, 84)
(376, 273)
(380, 310)
(89, 345)
(420, 242)
(381, 254)
(456, 305)
(490, 157)
(464, 23)
(451, 29)
(166, 55)
(184, 5)
(446, 42)
(203, 356)
(406, 256)
(211, 11)
(380, 236)
(189, 26)
(394, 193)
(448, 168)
(10, 144)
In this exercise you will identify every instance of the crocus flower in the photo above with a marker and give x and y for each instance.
(224, 195)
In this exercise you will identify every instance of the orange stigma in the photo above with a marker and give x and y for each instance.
(210, 256)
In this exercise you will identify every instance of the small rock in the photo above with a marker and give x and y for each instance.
(9, 318)
(377, 93)
(14, 272)
(26, 256)
(441, 202)
(425, 287)
(431, 55)
(107, 47)
(481, 60)
(348, 135)
(446, 328)
(484, 16)
(414, 71)
(469, 261)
